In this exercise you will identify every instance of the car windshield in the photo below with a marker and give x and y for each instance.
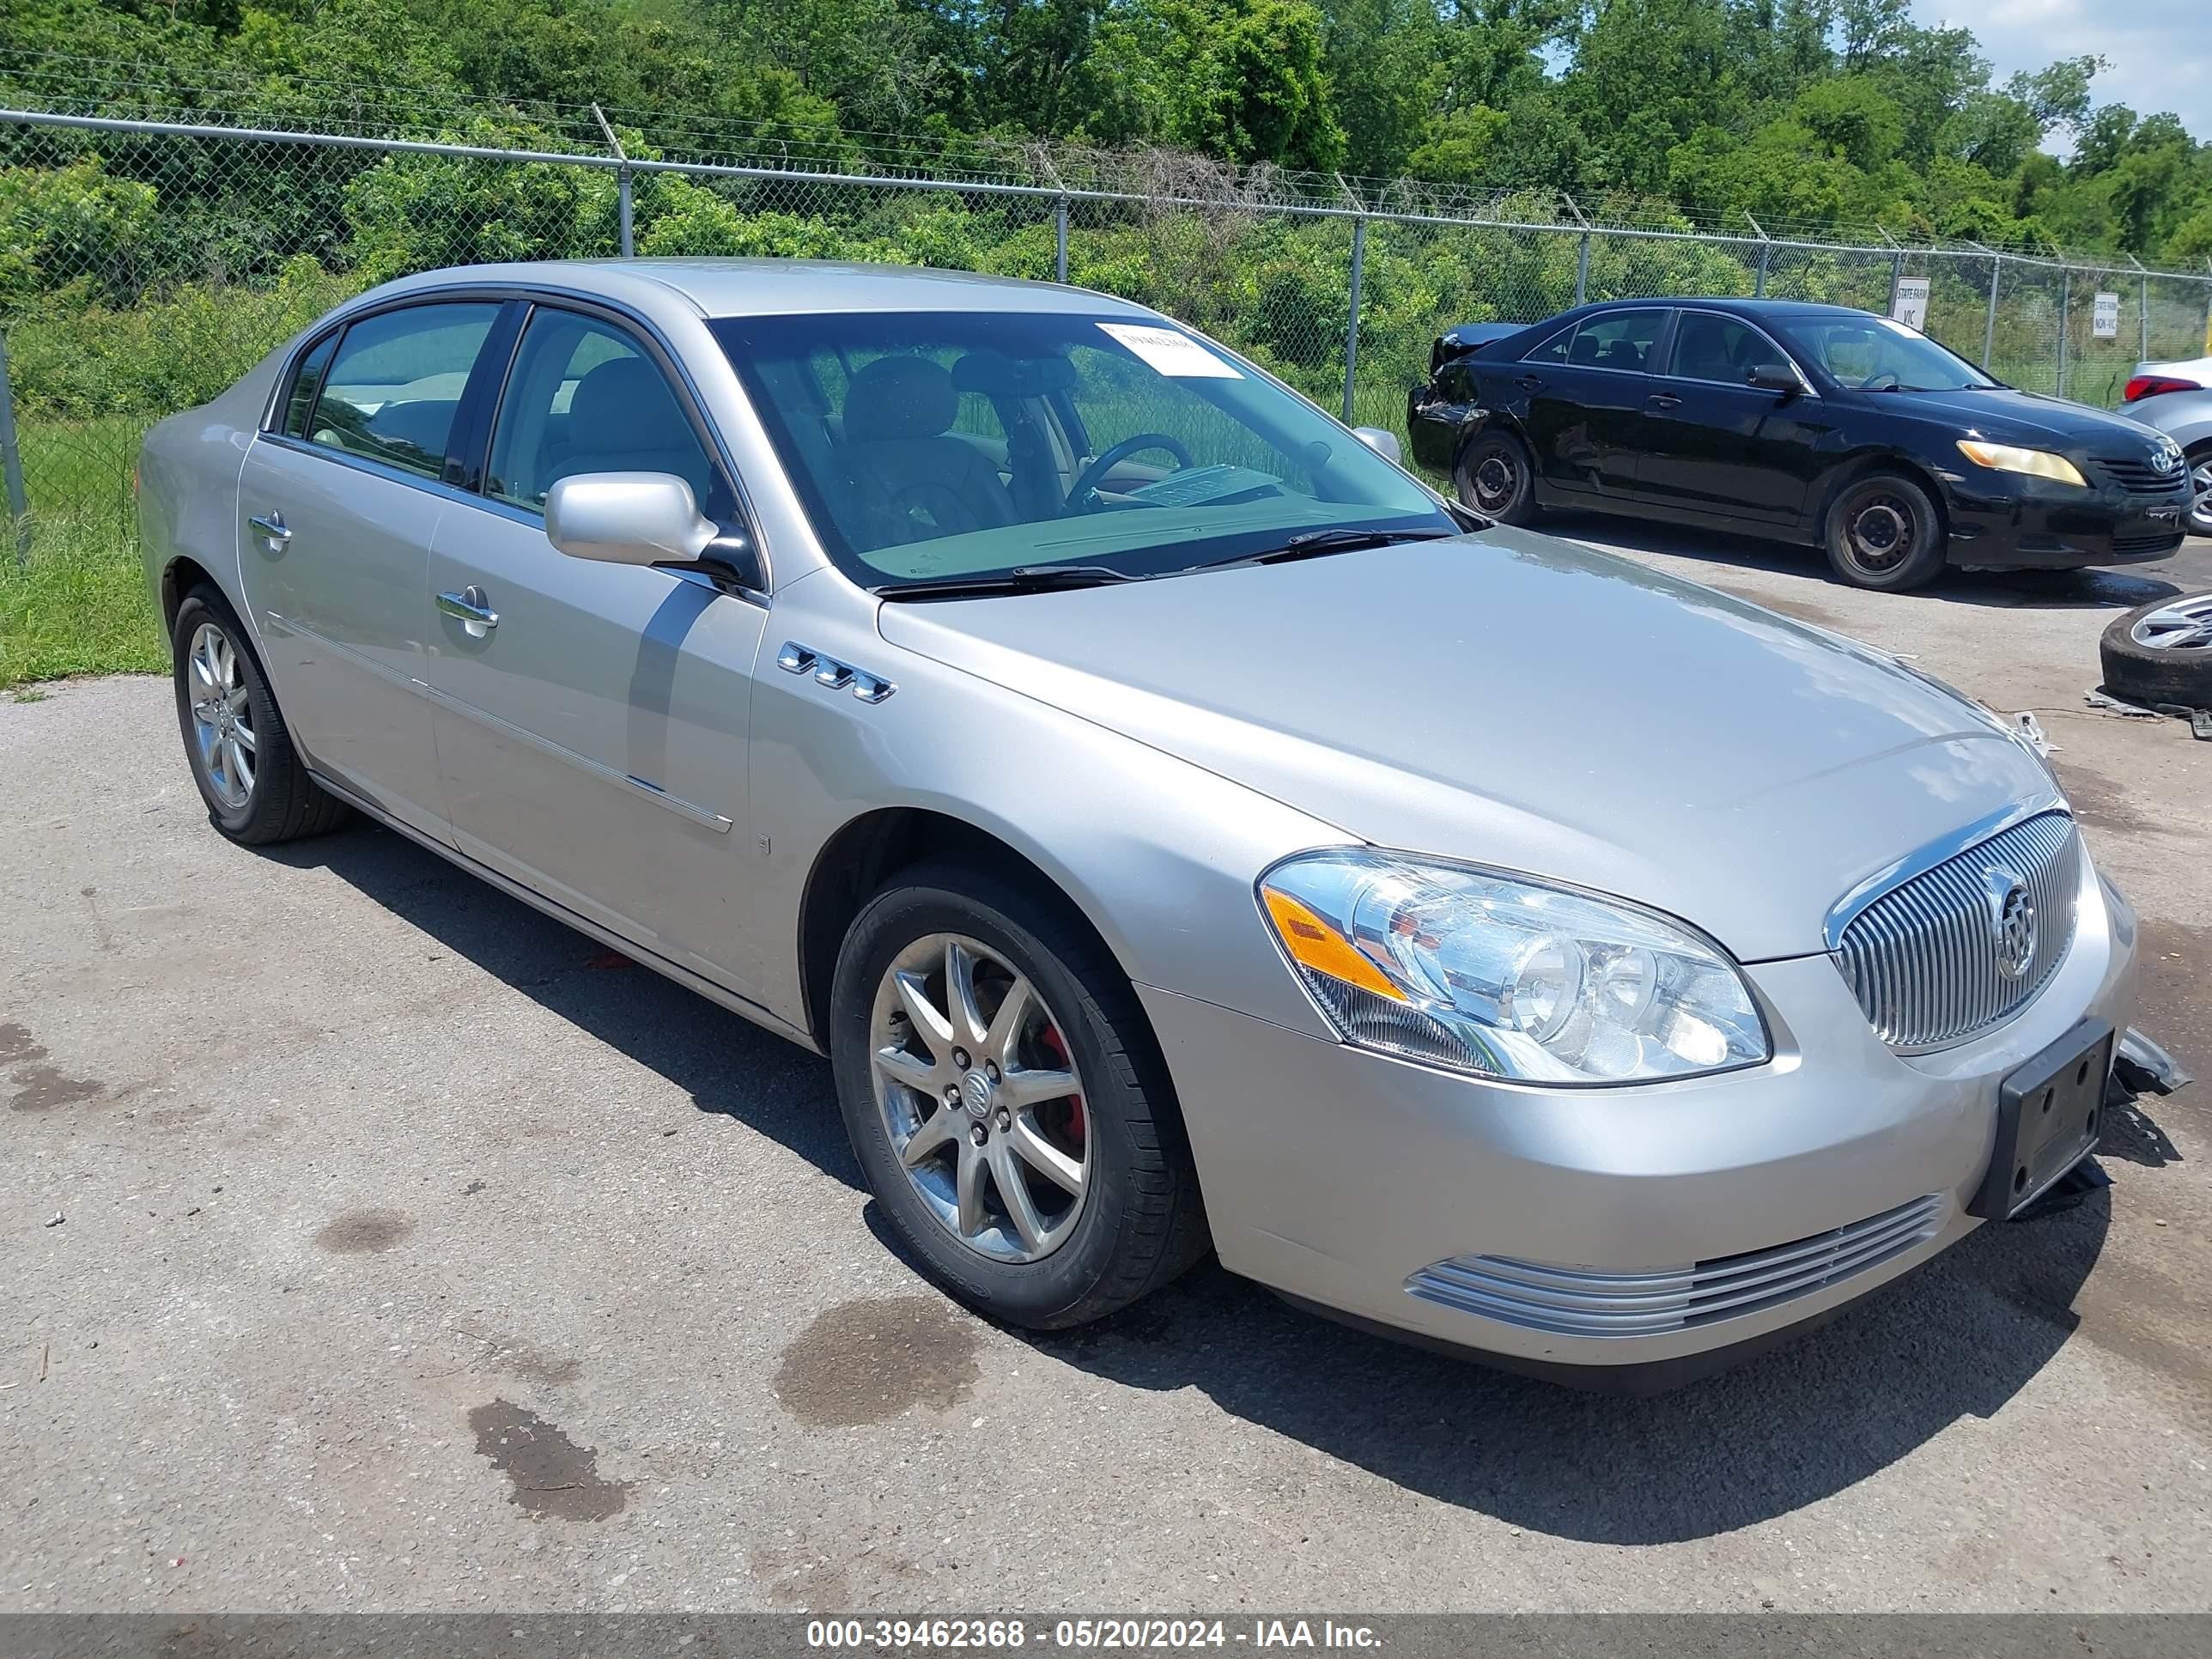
(1874, 354)
(933, 447)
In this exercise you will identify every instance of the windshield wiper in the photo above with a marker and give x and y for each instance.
(1319, 544)
(1022, 579)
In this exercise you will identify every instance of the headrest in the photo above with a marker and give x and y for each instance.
(622, 406)
(900, 398)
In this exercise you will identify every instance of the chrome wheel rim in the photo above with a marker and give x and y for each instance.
(1880, 533)
(980, 1098)
(1495, 482)
(2184, 625)
(222, 716)
(2200, 497)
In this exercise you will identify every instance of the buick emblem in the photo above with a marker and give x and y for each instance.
(2012, 923)
(976, 1089)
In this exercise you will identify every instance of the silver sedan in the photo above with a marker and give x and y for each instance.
(1181, 829)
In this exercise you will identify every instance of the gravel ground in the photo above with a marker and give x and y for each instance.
(415, 1253)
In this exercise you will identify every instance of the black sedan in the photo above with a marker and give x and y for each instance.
(1811, 424)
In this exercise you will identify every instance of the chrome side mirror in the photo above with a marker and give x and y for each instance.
(1382, 442)
(627, 518)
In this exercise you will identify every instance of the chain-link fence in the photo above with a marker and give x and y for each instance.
(145, 265)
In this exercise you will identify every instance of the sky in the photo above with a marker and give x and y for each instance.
(2161, 51)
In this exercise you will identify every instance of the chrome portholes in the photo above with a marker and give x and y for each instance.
(796, 659)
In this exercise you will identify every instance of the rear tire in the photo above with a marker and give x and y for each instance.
(256, 786)
(1496, 478)
(1050, 1258)
(2161, 654)
(1883, 531)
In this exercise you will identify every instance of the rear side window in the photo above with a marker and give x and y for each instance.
(305, 385)
(1619, 339)
(395, 384)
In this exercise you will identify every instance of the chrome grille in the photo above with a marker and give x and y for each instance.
(1584, 1302)
(1923, 957)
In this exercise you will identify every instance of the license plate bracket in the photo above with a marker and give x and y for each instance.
(2049, 1114)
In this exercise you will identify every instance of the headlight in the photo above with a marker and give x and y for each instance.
(2036, 463)
(1463, 968)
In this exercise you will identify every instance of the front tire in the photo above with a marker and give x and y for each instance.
(2200, 491)
(1882, 532)
(257, 789)
(1005, 1101)
(1497, 478)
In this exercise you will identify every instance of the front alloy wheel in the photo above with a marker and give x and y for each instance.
(979, 1099)
(2200, 493)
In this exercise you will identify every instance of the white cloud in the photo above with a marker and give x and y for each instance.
(2161, 51)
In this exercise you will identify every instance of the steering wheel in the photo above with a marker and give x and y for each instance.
(1116, 453)
(1882, 382)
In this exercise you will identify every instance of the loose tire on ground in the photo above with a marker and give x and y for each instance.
(256, 786)
(2161, 654)
(1883, 531)
(1496, 478)
(1138, 1222)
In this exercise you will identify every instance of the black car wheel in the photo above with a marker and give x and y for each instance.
(1496, 478)
(1882, 532)
(2162, 654)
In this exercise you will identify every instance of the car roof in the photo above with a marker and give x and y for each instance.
(768, 287)
(1758, 307)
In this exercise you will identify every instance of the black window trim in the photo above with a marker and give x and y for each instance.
(521, 297)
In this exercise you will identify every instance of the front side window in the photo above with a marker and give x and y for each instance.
(927, 445)
(1712, 347)
(584, 396)
(1874, 354)
(395, 384)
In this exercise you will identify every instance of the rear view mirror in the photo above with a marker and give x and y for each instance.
(1384, 443)
(627, 518)
(1775, 377)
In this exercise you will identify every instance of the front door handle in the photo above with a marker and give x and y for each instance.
(271, 524)
(1664, 400)
(472, 609)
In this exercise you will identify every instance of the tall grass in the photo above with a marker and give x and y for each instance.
(79, 605)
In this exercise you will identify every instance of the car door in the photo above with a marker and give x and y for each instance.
(1714, 445)
(592, 719)
(338, 503)
(1581, 398)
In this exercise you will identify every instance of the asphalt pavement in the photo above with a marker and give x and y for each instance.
(370, 1242)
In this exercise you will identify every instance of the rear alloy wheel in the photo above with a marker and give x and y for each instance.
(2160, 655)
(256, 787)
(1006, 1102)
(1494, 477)
(2200, 491)
(1882, 532)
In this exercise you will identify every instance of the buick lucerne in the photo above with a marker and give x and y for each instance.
(1180, 829)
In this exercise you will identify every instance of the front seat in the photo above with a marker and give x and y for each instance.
(918, 482)
(623, 418)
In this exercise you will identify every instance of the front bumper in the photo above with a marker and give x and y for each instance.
(1339, 1177)
(2007, 521)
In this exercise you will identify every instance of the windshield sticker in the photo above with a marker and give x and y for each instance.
(1170, 352)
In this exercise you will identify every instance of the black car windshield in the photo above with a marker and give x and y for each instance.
(1874, 354)
(927, 446)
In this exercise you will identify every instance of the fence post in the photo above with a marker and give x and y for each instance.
(11, 454)
(2065, 304)
(2142, 319)
(1990, 328)
(1765, 254)
(621, 180)
(1352, 328)
(1059, 242)
(1582, 271)
(1896, 280)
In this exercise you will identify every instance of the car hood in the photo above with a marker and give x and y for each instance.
(1511, 700)
(2002, 416)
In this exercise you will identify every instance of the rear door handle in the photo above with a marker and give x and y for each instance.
(271, 524)
(1662, 400)
(1531, 383)
(472, 609)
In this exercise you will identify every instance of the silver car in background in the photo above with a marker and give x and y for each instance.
(1181, 828)
(2176, 399)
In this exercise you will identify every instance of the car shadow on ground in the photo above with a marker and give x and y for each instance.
(1958, 1338)
(2040, 590)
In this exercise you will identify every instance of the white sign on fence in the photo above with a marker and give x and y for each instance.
(1909, 305)
(2105, 320)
